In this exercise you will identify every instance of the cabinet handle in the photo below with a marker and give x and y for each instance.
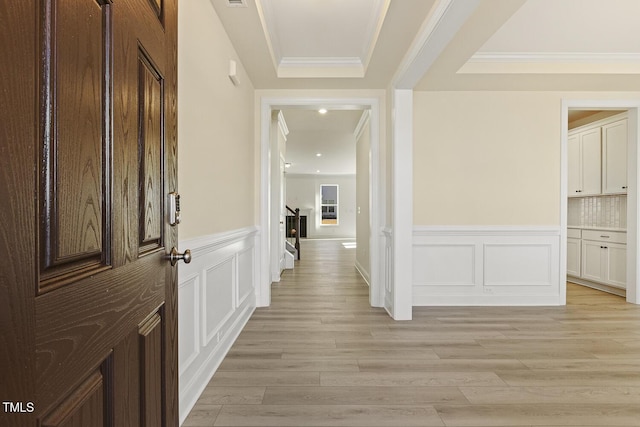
(606, 237)
(624, 188)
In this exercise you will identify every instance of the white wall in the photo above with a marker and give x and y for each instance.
(215, 127)
(363, 226)
(303, 191)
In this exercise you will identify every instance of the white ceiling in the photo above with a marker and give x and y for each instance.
(504, 45)
(334, 120)
(316, 33)
(587, 45)
(560, 45)
(330, 134)
(303, 43)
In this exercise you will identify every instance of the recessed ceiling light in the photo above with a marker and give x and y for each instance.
(318, 171)
(318, 154)
(322, 111)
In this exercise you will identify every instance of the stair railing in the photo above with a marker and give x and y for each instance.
(294, 231)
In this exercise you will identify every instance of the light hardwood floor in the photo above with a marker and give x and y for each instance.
(320, 356)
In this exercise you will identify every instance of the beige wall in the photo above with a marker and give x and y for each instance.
(215, 127)
(486, 158)
(363, 231)
(490, 158)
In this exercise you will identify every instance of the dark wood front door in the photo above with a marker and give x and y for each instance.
(87, 158)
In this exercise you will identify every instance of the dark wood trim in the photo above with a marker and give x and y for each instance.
(171, 415)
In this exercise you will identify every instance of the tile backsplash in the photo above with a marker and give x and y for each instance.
(598, 211)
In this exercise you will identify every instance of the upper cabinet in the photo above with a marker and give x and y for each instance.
(584, 163)
(598, 158)
(614, 157)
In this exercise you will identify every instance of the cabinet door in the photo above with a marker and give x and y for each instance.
(593, 260)
(575, 169)
(616, 257)
(573, 257)
(614, 157)
(591, 163)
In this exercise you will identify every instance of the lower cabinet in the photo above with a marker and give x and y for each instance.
(604, 262)
(573, 256)
(617, 265)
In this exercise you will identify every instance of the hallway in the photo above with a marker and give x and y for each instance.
(321, 356)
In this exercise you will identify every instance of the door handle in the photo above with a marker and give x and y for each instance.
(175, 256)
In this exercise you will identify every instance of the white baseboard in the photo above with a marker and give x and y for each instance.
(599, 286)
(217, 295)
(486, 266)
(363, 272)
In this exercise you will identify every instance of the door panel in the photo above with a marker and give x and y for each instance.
(617, 264)
(151, 370)
(593, 266)
(574, 168)
(84, 407)
(75, 146)
(92, 136)
(573, 257)
(151, 155)
(591, 151)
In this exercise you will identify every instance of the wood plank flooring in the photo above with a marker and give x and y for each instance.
(320, 356)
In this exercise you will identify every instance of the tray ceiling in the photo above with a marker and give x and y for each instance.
(329, 38)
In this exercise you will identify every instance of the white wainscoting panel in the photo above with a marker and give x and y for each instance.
(217, 295)
(218, 303)
(246, 273)
(449, 264)
(486, 266)
(189, 322)
(515, 264)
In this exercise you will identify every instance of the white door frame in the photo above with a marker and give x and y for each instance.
(633, 180)
(376, 187)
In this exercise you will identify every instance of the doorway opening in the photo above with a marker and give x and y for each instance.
(599, 203)
(375, 190)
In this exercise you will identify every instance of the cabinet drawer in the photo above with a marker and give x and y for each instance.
(605, 236)
(574, 233)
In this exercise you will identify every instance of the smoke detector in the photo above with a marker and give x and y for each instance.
(237, 3)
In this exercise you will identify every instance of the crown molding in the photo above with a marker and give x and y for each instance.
(552, 63)
(562, 57)
(361, 126)
(283, 125)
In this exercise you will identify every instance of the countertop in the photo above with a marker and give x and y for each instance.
(622, 230)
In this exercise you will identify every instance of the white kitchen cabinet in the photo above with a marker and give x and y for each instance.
(593, 261)
(616, 265)
(575, 170)
(604, 260)
(614, 157)
(585, 163)
(573, 256)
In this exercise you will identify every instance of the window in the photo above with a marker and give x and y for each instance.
(329, 204)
